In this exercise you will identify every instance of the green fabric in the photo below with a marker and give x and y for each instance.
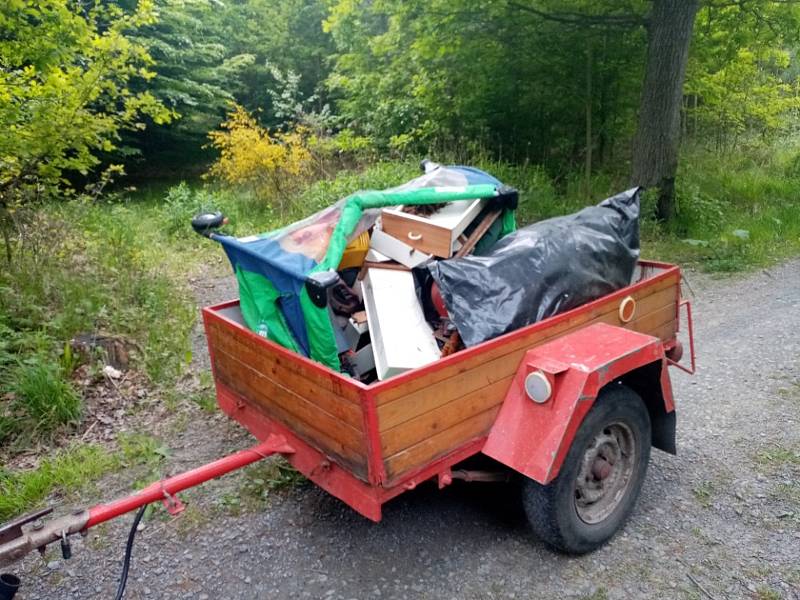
(321, 337)
(354, 207)
(509, 222)
(258, 300)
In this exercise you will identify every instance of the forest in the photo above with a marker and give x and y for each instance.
(120, 119)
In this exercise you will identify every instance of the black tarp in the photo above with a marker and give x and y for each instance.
(543, 269)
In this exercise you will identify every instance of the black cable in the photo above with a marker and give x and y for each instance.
(123, 578)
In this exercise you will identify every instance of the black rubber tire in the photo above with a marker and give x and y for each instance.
(551, 508)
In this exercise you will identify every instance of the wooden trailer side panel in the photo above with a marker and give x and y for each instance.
(428, 416)
(319, 408)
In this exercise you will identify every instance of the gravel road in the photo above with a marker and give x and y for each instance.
(720, 520)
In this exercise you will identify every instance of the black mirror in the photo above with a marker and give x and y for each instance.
(204, 224)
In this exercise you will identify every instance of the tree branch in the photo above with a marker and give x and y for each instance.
(582, 19)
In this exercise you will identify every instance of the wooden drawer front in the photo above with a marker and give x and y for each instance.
(330, 422)
(426, 237)
(432, 415)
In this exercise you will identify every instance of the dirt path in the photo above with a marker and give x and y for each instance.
(721, 520)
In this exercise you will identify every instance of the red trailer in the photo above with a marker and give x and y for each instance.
(572, 404)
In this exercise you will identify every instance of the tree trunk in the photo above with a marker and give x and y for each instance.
(589, 137)
(655, 146)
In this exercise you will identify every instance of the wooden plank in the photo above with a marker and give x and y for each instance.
(537, 335)
(444, 417)
(441, 443)
(410, 406)
(436, 410)
(269, 361)
(393, 413)
(653, 320)
(471, 377)
(337, 406)
(288, 407)
(464, 430)
(447, 404)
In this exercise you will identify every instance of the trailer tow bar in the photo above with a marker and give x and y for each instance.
(28, 533)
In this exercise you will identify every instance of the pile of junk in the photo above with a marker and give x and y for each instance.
(383, 282)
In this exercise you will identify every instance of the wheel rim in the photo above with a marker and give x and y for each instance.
(606, 472)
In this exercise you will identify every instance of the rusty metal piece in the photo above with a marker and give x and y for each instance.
(606, 471)
(452, 346)
(482, 476)
(29, 539)
(13, 529)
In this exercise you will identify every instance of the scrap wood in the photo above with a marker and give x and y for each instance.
(477, 234)
(392, 266)
(452, 346)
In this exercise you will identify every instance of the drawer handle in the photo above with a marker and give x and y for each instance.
(414, 236)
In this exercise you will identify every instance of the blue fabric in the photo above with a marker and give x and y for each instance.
(286, 270)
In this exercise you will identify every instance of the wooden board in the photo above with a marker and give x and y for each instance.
(428, 416)
(332, 423)
(286, 366)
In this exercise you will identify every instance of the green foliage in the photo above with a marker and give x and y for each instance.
(141, 449)
(44, 396)
(65, 90)
(196, 69)
(742, 74)
(68, 470)
(443, 74)
(95, 268)
(72, 469)
(734, 212)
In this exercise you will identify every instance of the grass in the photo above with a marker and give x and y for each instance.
(260, 481)
(41, 400)
(599, 594)
(73, 469)
(767, 593)
(703, 493)
(778, 456)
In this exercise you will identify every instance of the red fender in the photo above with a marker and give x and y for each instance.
(534, 439)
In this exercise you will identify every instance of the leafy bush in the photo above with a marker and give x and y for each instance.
(67, 92)
(44, 396)
(272, 165)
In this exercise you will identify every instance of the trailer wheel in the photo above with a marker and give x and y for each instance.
(600, 480)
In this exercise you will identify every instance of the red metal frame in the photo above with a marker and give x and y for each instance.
(690, 325)
(533, 439)
(166, 489)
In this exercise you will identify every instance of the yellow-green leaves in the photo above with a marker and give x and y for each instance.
(65, 90)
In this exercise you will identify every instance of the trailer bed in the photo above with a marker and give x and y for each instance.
(392, 434)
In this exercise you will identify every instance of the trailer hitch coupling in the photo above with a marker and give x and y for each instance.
(28, 533)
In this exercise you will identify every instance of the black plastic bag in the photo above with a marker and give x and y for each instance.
(543, 269)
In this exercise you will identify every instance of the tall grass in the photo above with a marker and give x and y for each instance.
(734, 211)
